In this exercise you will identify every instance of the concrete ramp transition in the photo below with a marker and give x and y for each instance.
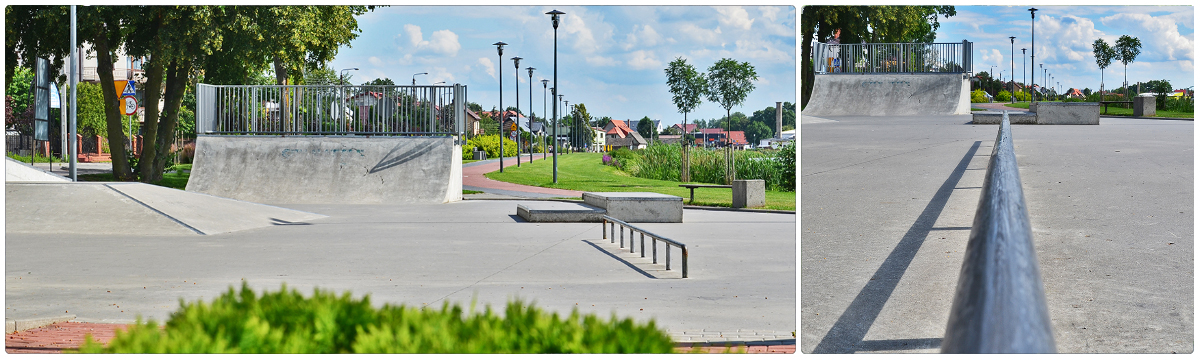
(889, 95)
(328, 170)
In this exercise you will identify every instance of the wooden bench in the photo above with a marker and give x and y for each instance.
(1105, 103)
(692, 188)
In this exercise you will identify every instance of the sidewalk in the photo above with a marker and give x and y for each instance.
(473, 179)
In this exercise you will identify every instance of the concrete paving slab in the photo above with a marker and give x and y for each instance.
(210, 214)
(18, 171)
(887, 205)
(742, 267)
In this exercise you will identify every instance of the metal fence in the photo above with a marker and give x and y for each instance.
(609, 228)
(1000, 306)
(330, 110)
(892, 58)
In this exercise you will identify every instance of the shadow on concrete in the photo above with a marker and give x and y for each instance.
(392, 159)
(848, 332)
(275, 221)
(900, 344)
(614, 256)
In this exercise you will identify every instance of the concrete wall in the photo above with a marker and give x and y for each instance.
(328, 170)
(889, 95)
(1055, 113)
(1143, 106)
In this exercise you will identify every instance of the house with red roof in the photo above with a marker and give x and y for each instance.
(686, 128)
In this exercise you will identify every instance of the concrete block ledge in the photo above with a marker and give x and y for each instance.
(549, 211)
(638, 206)
(12, 326)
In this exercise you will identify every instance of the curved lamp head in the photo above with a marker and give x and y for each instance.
(517, 62)
(544, 81)
(530, 71)
(500, 47)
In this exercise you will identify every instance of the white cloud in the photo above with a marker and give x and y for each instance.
(758, 49)
(643, 59)
(437, 74)
(701, 36)
(1160, 36)
(735, 17)
(993, 57)
(646, 37)
(375, 61)
(441, 42)
(601, 61)
(488, 66)
(584, 39)
(769, 12)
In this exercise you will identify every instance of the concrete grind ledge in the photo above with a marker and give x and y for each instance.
(638, 206)
(546, 211)
(12, 326)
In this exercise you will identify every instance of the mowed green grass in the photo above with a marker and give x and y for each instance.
(584, 172)
(1114, 110)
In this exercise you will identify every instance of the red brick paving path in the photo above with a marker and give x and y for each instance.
(473, 176)
(53, 339)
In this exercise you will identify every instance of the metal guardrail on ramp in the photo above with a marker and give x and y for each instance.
(609, 228)
(1000, 305)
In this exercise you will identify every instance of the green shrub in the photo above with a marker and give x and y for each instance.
(978, 96)
(287, 322)
(664, 162)
(1179, 104)
(491, 144)
(1004, 95)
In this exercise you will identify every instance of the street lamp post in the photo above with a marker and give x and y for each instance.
(544, 123)
(531, 112)
(1012, 64)
(1032, 42)
(414, 77)
(1023, 78)
(575, 122)
(517, 119)
(500, 54)
(992, 77)
(1041, 66)
(554, 20)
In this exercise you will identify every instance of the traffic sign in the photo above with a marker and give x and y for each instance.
(512, 127)
(129, 90)
(131, 105)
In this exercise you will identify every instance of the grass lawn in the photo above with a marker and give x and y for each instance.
(584, 172)
(1117, 111)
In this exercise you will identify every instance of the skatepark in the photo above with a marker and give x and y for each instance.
(276, 210)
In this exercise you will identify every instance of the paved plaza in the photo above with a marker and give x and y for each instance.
(741, 285)
(887, 204)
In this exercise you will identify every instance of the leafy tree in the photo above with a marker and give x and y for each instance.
(1104, 56)
(324, 75)
(1127, 49)
(1087, 92)
(1160, 88)
(33, 31)
(686, 84)
(18, 90)
(378, 81)
(645, 127)
(872, 24)
(603, 121)
(757, 131)
(729, 82)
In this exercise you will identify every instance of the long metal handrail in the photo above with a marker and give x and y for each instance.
(609, 226)
(1000, 306)
(893, 58)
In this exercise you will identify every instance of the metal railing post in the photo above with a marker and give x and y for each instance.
(643, 245)
(654, 251)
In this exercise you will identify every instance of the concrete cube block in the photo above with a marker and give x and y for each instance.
(749, 193)
(1080, 113)
(1143, 106)
(638, 206)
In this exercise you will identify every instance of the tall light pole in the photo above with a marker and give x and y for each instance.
(575, 124)
(517, 119)
(1023, 78)
(544, 123)
(414, 77)
(554, 20)
(531, 112)
(560, 111)
(991, 76)
(500, 54)
(1012, 46)
(71, 141)
(1041, 66)
(1032, 42)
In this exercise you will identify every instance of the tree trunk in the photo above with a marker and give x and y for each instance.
(153, 91)
(112, 113)
(177, 78)
(281, 78)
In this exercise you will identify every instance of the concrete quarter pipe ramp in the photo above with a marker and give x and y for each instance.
(328, 170)
(889, 95)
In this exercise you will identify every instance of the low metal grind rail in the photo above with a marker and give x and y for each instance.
(609, 227)
(1000, 305)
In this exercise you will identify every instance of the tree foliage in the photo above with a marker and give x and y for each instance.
(729, 82)
(873, 24)
(1104, 56)
(1127, 48)
(687, 85)
(645, 127)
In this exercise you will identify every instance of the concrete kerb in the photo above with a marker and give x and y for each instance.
(12, 326)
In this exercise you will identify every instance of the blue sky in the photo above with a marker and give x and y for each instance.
(611, 58)
(1064, 41)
